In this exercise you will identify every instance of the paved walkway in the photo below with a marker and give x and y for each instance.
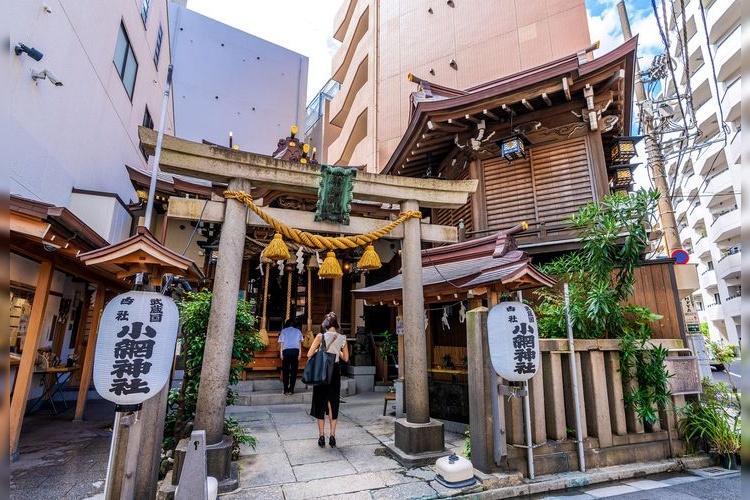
(65, 460)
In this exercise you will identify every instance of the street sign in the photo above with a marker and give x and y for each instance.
(513, 341)
(680, 256)
(135, 347)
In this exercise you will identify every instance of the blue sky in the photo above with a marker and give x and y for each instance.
(604, 25)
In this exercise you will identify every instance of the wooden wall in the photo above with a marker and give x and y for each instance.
(656, 288)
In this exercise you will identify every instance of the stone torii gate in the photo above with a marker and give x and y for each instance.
(416, 435)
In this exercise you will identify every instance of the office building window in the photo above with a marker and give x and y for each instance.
(127, 66)
(148, 122)
(157, 48)
(144, 10)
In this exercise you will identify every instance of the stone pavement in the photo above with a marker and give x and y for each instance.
(66, 460)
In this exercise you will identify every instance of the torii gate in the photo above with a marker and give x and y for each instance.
(416, 434)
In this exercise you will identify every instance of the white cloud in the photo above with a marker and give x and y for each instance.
(606, 28)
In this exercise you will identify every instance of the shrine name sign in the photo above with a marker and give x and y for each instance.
(135, 347)
(513, 341)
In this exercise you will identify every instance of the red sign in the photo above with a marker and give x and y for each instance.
(680, 256)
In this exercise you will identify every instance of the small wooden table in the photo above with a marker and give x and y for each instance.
(389, 396)
(54, 383)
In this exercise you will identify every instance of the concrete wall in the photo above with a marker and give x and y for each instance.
(487, 40)
(82, 134)
(227, 80)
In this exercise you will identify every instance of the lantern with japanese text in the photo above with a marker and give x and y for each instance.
(513, 341)
(135, 347)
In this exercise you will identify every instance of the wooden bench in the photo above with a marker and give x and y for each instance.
(389, 396)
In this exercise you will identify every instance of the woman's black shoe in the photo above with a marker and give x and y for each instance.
(332, 441)
(322, 441)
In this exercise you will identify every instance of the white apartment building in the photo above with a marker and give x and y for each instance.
(705, 181)
(71, 134)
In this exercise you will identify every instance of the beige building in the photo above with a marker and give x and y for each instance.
(457, 44)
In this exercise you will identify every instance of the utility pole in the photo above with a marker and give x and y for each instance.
(655, 158)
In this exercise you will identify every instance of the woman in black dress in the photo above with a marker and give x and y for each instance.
(326, 397)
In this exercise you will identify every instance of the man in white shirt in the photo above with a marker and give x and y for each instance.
(290, 350)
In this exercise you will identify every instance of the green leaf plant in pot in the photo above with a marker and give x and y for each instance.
(712, 423)
(387, 348)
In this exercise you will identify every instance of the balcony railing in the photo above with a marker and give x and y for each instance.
(723, 212)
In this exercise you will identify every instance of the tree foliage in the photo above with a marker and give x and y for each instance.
(601, 274)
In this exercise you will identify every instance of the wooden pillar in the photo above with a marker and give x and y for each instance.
(596, 395)
(26, 367)
(400, 313)
(536, 386)
(616, 397)
(337, 286)
(555, 400)
(480, 391)
(88, 359)
(212, 394)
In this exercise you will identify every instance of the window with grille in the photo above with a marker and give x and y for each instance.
(125, 62)
(157, 48)
(144, 10)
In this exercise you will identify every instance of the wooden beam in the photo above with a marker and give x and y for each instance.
(490, 114)
(566, 88)
(28, 226)
(527, 105)
(508, 110)
(472, 118)
(546, 99)
(454, 122)
(444, 127)
(88, 360)
(193, 209)
(26, 367)
(222, 164)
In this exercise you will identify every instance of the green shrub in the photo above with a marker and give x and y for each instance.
(712, 423)
(194, 313)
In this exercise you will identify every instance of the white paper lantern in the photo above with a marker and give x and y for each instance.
(135, 347)
(513, 340)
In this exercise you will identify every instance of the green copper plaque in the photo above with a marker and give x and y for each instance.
(335, 194)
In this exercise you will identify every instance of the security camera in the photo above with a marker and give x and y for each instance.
(46, 74)
(20, 48)
(50, 247)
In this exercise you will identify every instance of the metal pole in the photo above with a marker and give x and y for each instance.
(110, 462)
(655, 159)
(574, 381)
(498, 439)
(527, 419)
(157, 151)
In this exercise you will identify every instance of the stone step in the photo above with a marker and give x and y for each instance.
(252, 394)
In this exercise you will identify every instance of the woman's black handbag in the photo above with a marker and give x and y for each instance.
(319, 368)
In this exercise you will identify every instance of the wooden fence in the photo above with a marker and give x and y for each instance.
(612, 433)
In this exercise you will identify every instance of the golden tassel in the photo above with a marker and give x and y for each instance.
(330, 267)
(370, 259)
(277, 250)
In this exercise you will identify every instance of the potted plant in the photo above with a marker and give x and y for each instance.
(387, 348)
(712, 423)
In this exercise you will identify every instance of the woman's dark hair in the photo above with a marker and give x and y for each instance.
(330, 321)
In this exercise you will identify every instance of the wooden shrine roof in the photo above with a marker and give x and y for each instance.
(548, 101)
(142, 253)
(466, 269)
